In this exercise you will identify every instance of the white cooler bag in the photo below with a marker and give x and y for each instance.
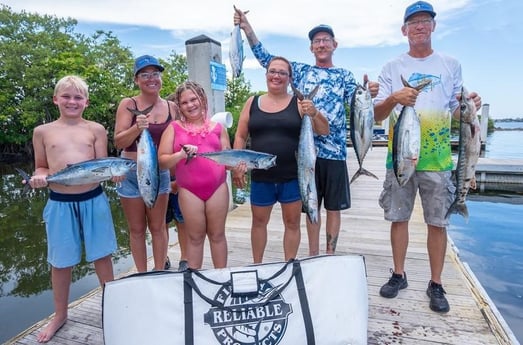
(319, 300)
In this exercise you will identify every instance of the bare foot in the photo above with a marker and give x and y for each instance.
(49, 331)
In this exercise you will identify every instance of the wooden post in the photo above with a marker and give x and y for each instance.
(484, 122)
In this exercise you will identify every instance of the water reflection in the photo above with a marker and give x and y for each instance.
(24, 271)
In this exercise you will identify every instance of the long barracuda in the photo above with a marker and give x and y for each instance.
(253, 159)
(406, 140)
(469, 150)
(361, 127)
(236, 54)
(306, 159)
(147, 169)
(86, 172)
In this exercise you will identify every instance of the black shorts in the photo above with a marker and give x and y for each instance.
(332, 184)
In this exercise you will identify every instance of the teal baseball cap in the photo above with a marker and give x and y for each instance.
(145, 61)
(417, 7)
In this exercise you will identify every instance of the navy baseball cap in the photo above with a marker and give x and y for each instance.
(417, 7)
(145, 61)
(320, 28)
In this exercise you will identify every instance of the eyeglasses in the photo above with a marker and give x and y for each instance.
(149, 75)
(325, 40)
(273, 73)
(424, 22)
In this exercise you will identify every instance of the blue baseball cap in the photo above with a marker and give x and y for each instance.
(320, 28)
(417, 7)
(145, 61)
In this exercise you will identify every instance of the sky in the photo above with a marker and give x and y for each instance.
(486, 36)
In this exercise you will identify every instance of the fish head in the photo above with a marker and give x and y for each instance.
(267, 162)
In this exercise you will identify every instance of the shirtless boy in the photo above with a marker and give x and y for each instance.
(73, 214)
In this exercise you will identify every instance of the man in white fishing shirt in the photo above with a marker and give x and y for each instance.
(434, 104)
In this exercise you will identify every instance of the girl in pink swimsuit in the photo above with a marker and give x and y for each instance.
(203, 194)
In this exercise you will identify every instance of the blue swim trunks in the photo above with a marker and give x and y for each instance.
(75, 219)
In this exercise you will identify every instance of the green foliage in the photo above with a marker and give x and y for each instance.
(237, 93)
(36, 51)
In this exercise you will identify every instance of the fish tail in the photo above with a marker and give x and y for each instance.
(25, 181)
(189, 156)
(458, 208)
(362, 171)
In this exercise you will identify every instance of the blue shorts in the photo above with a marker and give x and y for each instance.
(173, 210)
(73, 219)
(128, 188)
(267, 193)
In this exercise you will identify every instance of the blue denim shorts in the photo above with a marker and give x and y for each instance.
(128, 188)
(268, 193)
(173, 210)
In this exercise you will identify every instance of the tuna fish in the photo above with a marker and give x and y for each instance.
(90, 171)
(253, 159)
(361, 127)
(406, 140)
(468, 154)
(236, 54)
(307, 162)
(147, 169)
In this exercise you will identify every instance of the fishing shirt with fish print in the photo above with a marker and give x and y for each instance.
(336, 88)
(434, 105)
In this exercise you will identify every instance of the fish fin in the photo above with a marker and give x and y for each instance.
(137, 112)
(189, 156)
(458, 208)
(362, 171)
(297, 92)
(25, 181)
(313, 92)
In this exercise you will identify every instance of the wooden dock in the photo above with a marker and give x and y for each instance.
(407, 319)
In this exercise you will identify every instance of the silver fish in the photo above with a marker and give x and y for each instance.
(306, 159)
(469, 150)
(236, 54)
(86, 172)
(253, 159)
(147, 169)
(361, 127)
(406, 140)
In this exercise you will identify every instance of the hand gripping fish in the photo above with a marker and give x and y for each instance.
(469, 150)
(361, 126)
(306, 159)
(406, 140)
(147, 167)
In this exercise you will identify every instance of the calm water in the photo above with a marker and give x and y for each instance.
(490, 244)
(492, 241)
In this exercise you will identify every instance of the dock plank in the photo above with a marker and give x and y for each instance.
(407, 319)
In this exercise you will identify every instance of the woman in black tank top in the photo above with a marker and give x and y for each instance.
(272, 122)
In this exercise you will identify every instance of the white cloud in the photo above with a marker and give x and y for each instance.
(355, 23)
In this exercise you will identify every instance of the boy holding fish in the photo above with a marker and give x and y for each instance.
(435, 102)
(74, 214)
